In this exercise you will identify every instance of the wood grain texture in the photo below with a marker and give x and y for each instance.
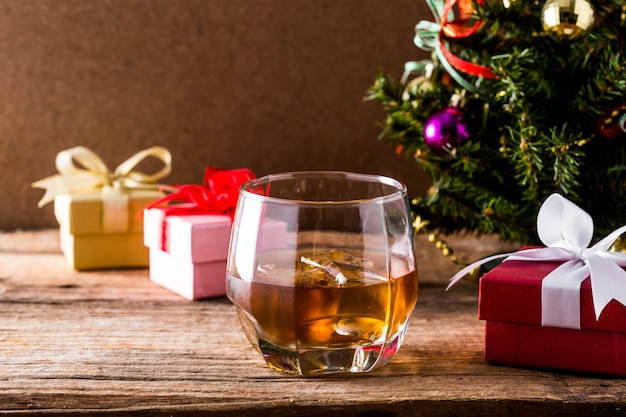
(113, 343)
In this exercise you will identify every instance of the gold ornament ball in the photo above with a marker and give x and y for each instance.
(568, 18)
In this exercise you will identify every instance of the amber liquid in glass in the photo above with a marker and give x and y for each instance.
(325, 313)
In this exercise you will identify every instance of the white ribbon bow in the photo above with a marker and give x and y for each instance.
(567, 230)
(95, 175)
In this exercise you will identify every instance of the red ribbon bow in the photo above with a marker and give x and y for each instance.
(218, 195)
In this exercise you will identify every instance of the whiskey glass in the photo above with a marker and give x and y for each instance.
(321, 270)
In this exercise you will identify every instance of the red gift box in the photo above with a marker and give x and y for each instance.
(562, 306)
(510, 302)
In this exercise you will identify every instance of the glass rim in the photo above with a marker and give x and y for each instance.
(399, 188)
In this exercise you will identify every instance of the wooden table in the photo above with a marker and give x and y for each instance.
(112, 342)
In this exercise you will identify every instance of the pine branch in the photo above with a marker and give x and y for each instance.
(538, 128)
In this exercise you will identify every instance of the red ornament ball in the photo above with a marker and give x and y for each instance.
(444, 130)
(613, 124)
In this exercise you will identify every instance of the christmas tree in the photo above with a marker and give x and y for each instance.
(520, 99)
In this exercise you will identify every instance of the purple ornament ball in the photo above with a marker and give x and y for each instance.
(444, 130)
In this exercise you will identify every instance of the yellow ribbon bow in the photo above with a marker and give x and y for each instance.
(94, 175)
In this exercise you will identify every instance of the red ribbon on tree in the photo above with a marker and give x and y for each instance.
(218, 195)
(459, 28)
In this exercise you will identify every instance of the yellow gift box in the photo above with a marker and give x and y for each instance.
(99, 211)
(85, 242)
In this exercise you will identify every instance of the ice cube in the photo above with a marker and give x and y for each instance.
(339, 268)
(271, 273)
(335, 275)
(329, 268)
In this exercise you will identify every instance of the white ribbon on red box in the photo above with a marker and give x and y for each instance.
(566, 230)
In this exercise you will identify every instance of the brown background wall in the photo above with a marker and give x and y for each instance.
(273, 85)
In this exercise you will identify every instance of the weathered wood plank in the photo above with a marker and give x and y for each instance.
(111, 342)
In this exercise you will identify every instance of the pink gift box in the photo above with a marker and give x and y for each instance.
(188, 252)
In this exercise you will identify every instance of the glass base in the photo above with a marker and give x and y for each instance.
(318, 361)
